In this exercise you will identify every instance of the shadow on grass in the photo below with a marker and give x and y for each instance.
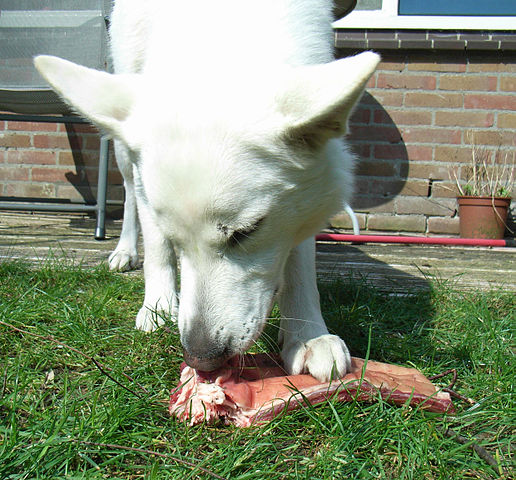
(361, 295)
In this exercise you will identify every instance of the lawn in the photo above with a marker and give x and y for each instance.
(65, 415)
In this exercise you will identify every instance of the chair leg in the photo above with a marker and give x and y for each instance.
(100, 230)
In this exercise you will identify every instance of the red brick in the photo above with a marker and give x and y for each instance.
(58, 142)
(445, 189)
(362, 186)
(71, 158)
(391, 188)
(464, 119)
(371, 83)
(440, 64)
(71, 192)
(434, 171)
(387, 98)
(452, 154)
(508, 84)
(485, 63)
(413, 187)
(391, 63)
(390, 152)
(18, 174)
(398, 223)
(425, 206)
(431, 135)
(361, 150)
(419, 152)
(507, 120)
(375, 134)
(31, 157)
(419, 82)
(506, 156)
(490, 102)
(360, 115)
(491, 137)
(50, 175)
(376, 169)
(86, 175)
(443, 225)
(374, 204)
(92, 142)
(403, 117)
(468, 82)
(343, 220)
(14, 140)
(32, 127)
(433, 99)
(33, 190)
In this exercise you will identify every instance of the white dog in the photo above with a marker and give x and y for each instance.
(227, 118)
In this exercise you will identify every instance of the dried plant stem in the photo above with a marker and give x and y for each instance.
(480, 451)
(485, 177)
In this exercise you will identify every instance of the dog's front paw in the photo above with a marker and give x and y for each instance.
(122, 259)
(148, 320)
(324, 357)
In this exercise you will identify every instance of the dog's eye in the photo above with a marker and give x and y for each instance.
(239, 236)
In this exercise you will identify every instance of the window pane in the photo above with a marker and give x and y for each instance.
(457, 7)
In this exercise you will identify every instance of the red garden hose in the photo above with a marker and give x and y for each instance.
(480, 242)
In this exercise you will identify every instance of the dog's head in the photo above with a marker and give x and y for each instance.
(234, 178)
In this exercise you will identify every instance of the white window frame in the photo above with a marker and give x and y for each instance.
(388, 18)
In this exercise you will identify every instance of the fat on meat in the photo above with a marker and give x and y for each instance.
(254, 389)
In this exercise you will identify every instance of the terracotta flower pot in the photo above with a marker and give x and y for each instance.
(483, 217)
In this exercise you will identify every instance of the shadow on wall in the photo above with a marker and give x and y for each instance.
(79, 180)
(383, 165)
(84, 142)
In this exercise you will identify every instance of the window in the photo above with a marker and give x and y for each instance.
(432, 15)
(457, 7)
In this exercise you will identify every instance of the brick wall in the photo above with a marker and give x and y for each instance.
(410, 128)
(418, 119)
(53, 161)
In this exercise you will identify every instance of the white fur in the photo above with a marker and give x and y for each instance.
(227, 113)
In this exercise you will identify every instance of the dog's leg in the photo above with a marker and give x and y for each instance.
(159, 268)
(125, 255)
(306, 344)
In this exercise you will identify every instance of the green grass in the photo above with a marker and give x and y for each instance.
(60, 417)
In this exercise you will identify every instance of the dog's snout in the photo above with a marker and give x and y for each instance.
(203, 350)
(205, 363)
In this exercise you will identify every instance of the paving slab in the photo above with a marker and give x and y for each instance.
(389, 267)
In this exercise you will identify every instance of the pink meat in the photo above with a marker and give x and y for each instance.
(255, 389)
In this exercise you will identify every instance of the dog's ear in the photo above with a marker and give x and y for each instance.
(320, 98)
(103, 98)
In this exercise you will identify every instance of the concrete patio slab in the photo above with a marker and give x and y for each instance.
(391, 268)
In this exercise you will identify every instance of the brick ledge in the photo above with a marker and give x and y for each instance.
(424, 40)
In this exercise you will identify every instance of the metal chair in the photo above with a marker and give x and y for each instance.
(69, 29)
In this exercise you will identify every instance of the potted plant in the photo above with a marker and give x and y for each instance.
(485, 195)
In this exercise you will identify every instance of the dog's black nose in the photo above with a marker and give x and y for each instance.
(205, 364)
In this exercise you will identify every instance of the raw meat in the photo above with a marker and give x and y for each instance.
(255, 389)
